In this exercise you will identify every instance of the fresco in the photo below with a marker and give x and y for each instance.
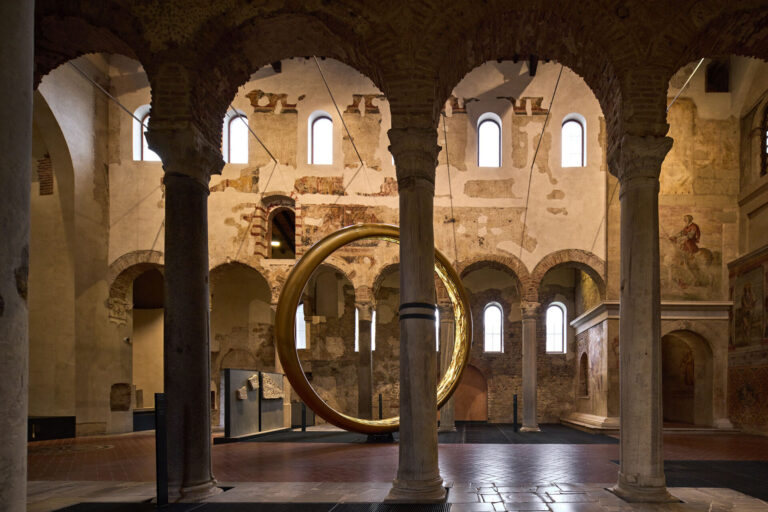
(691, 254)
(748, 308)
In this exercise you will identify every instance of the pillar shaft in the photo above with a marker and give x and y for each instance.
(187, 347)
(418, 475)
(530, 422)
(447, 412)
(641, 477)
(364, 363)
(16, 57)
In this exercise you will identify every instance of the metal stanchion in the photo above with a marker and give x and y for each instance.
(161, 449)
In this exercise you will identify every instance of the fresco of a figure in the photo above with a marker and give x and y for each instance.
(748, 308)
(691, 267)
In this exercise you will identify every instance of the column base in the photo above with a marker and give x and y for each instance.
(535, 428)
(633, 493)
(417, 491)
(198, 493)
(447, 428)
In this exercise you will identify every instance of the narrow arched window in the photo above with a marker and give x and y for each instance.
(320, 139)
(584, 376)
(236, 139)
(301, 328)
(492, 327)
(489, 140)
(141, 149)
(282, 235)
(556, 328)
(573, 142)
(357, 329)
(373, 330)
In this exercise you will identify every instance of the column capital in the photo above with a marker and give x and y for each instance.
(530, 309)
(365, 310)
(639, 158)
(415, 151)
(184, 151)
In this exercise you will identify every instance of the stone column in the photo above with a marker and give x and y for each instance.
(530, 311)
(447, 412)
(364, 361)
(638, 164)
(186, 331)
(418, 475)
(16, 57)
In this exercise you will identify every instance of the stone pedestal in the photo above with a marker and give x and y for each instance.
(16, 57)
(418, 475)
(641, 477)
(364, 363)
(447, 412)
(529, 311)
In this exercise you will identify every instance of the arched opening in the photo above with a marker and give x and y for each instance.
(471, 396)
(235, 137)
(687, 379)
(282, 234)
(147, 338)
(241, 323)
(573, 141)
(489, 145)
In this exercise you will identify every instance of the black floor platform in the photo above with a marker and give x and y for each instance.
(466, 433)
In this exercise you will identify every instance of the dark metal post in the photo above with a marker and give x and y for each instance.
(514, 412)
(381, 407)
(303, 417)
(161, 449)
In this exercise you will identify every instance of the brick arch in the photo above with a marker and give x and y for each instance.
(120, 276)
(521, 29)
(64, 32)
(509, 264)
(577, 258)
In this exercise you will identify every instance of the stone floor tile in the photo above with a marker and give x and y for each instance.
(526, 506)
(575, 507)
(491, 498)
(522, 497)
(572, 498)
(463, 497)
(472, 507)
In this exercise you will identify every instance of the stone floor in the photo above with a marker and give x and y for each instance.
(327, 496)
(488, 477)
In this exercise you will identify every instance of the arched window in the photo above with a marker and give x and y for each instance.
(492, 326)
(584, 376)
(320, 139)
(141, 150)
(301, 328)
(282, 235)
(556, 328)
(764, 143)
(489, 140)
(573, 140)
(357, 329)
(235, 143)
(373, 330)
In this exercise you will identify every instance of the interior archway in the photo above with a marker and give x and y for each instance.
(687, 379)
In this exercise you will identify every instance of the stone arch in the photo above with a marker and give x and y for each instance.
(577, 258)
(384, 272)
(512, 32)
(508, 264)
(698, 368)
(120, 276)
(257, 270)
(66, 32)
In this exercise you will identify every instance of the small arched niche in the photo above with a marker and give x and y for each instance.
(687, 379)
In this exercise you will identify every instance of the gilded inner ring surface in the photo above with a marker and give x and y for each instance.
(285, 323)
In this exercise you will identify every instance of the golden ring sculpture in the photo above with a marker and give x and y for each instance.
(285, 325)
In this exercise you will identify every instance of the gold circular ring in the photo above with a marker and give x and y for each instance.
(285, 325)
